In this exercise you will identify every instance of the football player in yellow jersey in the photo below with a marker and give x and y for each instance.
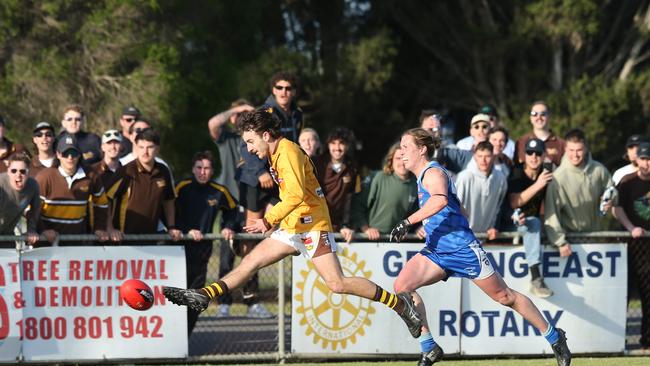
(304, 227)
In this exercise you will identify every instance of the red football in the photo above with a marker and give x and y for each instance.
(136, 294)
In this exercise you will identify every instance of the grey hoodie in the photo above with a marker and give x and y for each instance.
(481, 195)
(573, 199)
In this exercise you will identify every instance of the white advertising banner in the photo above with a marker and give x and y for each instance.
(73, 311)
(10, 305)
(590, 298)
(590, 302)
(324, 322)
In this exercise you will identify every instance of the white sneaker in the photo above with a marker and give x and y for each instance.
(224, 311)
(258, 311)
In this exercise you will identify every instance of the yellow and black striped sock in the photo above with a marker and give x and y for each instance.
(216, 289)
(388, 299)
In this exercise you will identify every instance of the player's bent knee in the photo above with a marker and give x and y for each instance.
(402, 285)
(336, 286)
(505, 297)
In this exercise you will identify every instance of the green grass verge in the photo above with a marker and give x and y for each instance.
(586, 361)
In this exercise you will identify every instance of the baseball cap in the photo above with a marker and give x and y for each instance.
(635, 140)
(489, 110)
(644, 150)
(42, 126)
(67, 142)
(112, 135)
(535, 145)
(131, 111)
(480, 117)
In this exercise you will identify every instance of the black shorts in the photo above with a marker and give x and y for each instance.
(256, 198)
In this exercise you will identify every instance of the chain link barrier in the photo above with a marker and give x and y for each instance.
(244, 336)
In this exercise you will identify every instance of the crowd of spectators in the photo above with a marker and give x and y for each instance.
(75, 182)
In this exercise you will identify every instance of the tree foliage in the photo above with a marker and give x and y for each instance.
(366, 64)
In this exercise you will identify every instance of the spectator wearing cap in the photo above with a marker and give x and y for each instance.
(573, 196)
(481, 189)
(88, 143)
(633, 211)
(509, 149)
(66, 191)
(144, 191)
(43, 139)
(478, 129)
(338, 176)
(20, 197)
(631, 147)
(458, 159)
(540, 116)
(526, 191)
(130, 114)
(110, 163)
(7, 147)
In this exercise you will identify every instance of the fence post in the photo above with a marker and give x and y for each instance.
(281, 318)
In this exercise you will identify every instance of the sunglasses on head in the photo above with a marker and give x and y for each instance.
(71, 119)
(71, 153)
(536, 153)
(280, 87)
(141, 129)
(481, 126)
(541, 114)
(41, 134)
(21, 171)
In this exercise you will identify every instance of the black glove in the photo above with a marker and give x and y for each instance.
(399, 232)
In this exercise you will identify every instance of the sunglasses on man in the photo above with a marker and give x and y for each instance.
(481, 126)
(71, 153)
(41, 134)
(536, 153)
(21, 171)
(281, 88)
(541, 114)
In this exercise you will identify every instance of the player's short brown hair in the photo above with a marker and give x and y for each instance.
(260, 120)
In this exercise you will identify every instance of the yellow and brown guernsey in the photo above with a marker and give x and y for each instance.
(66, 201)
(302, 207)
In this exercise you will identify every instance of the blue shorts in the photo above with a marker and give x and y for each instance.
(469, 261)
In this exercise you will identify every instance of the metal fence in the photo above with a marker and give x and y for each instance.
(240, 337)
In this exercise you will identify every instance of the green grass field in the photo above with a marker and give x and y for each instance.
(605, 361)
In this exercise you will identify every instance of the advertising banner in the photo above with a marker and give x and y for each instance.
(71, 308)
(324, 322)
(10, 305)
(589, 302)
(590, 298)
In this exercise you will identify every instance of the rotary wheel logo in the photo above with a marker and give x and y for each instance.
(333, 318)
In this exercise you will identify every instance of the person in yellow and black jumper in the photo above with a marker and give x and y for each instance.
(298, 224)
(66, 192)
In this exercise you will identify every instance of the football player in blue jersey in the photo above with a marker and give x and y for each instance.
(452, 249)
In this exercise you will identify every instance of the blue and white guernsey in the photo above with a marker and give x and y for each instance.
(448, 230)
